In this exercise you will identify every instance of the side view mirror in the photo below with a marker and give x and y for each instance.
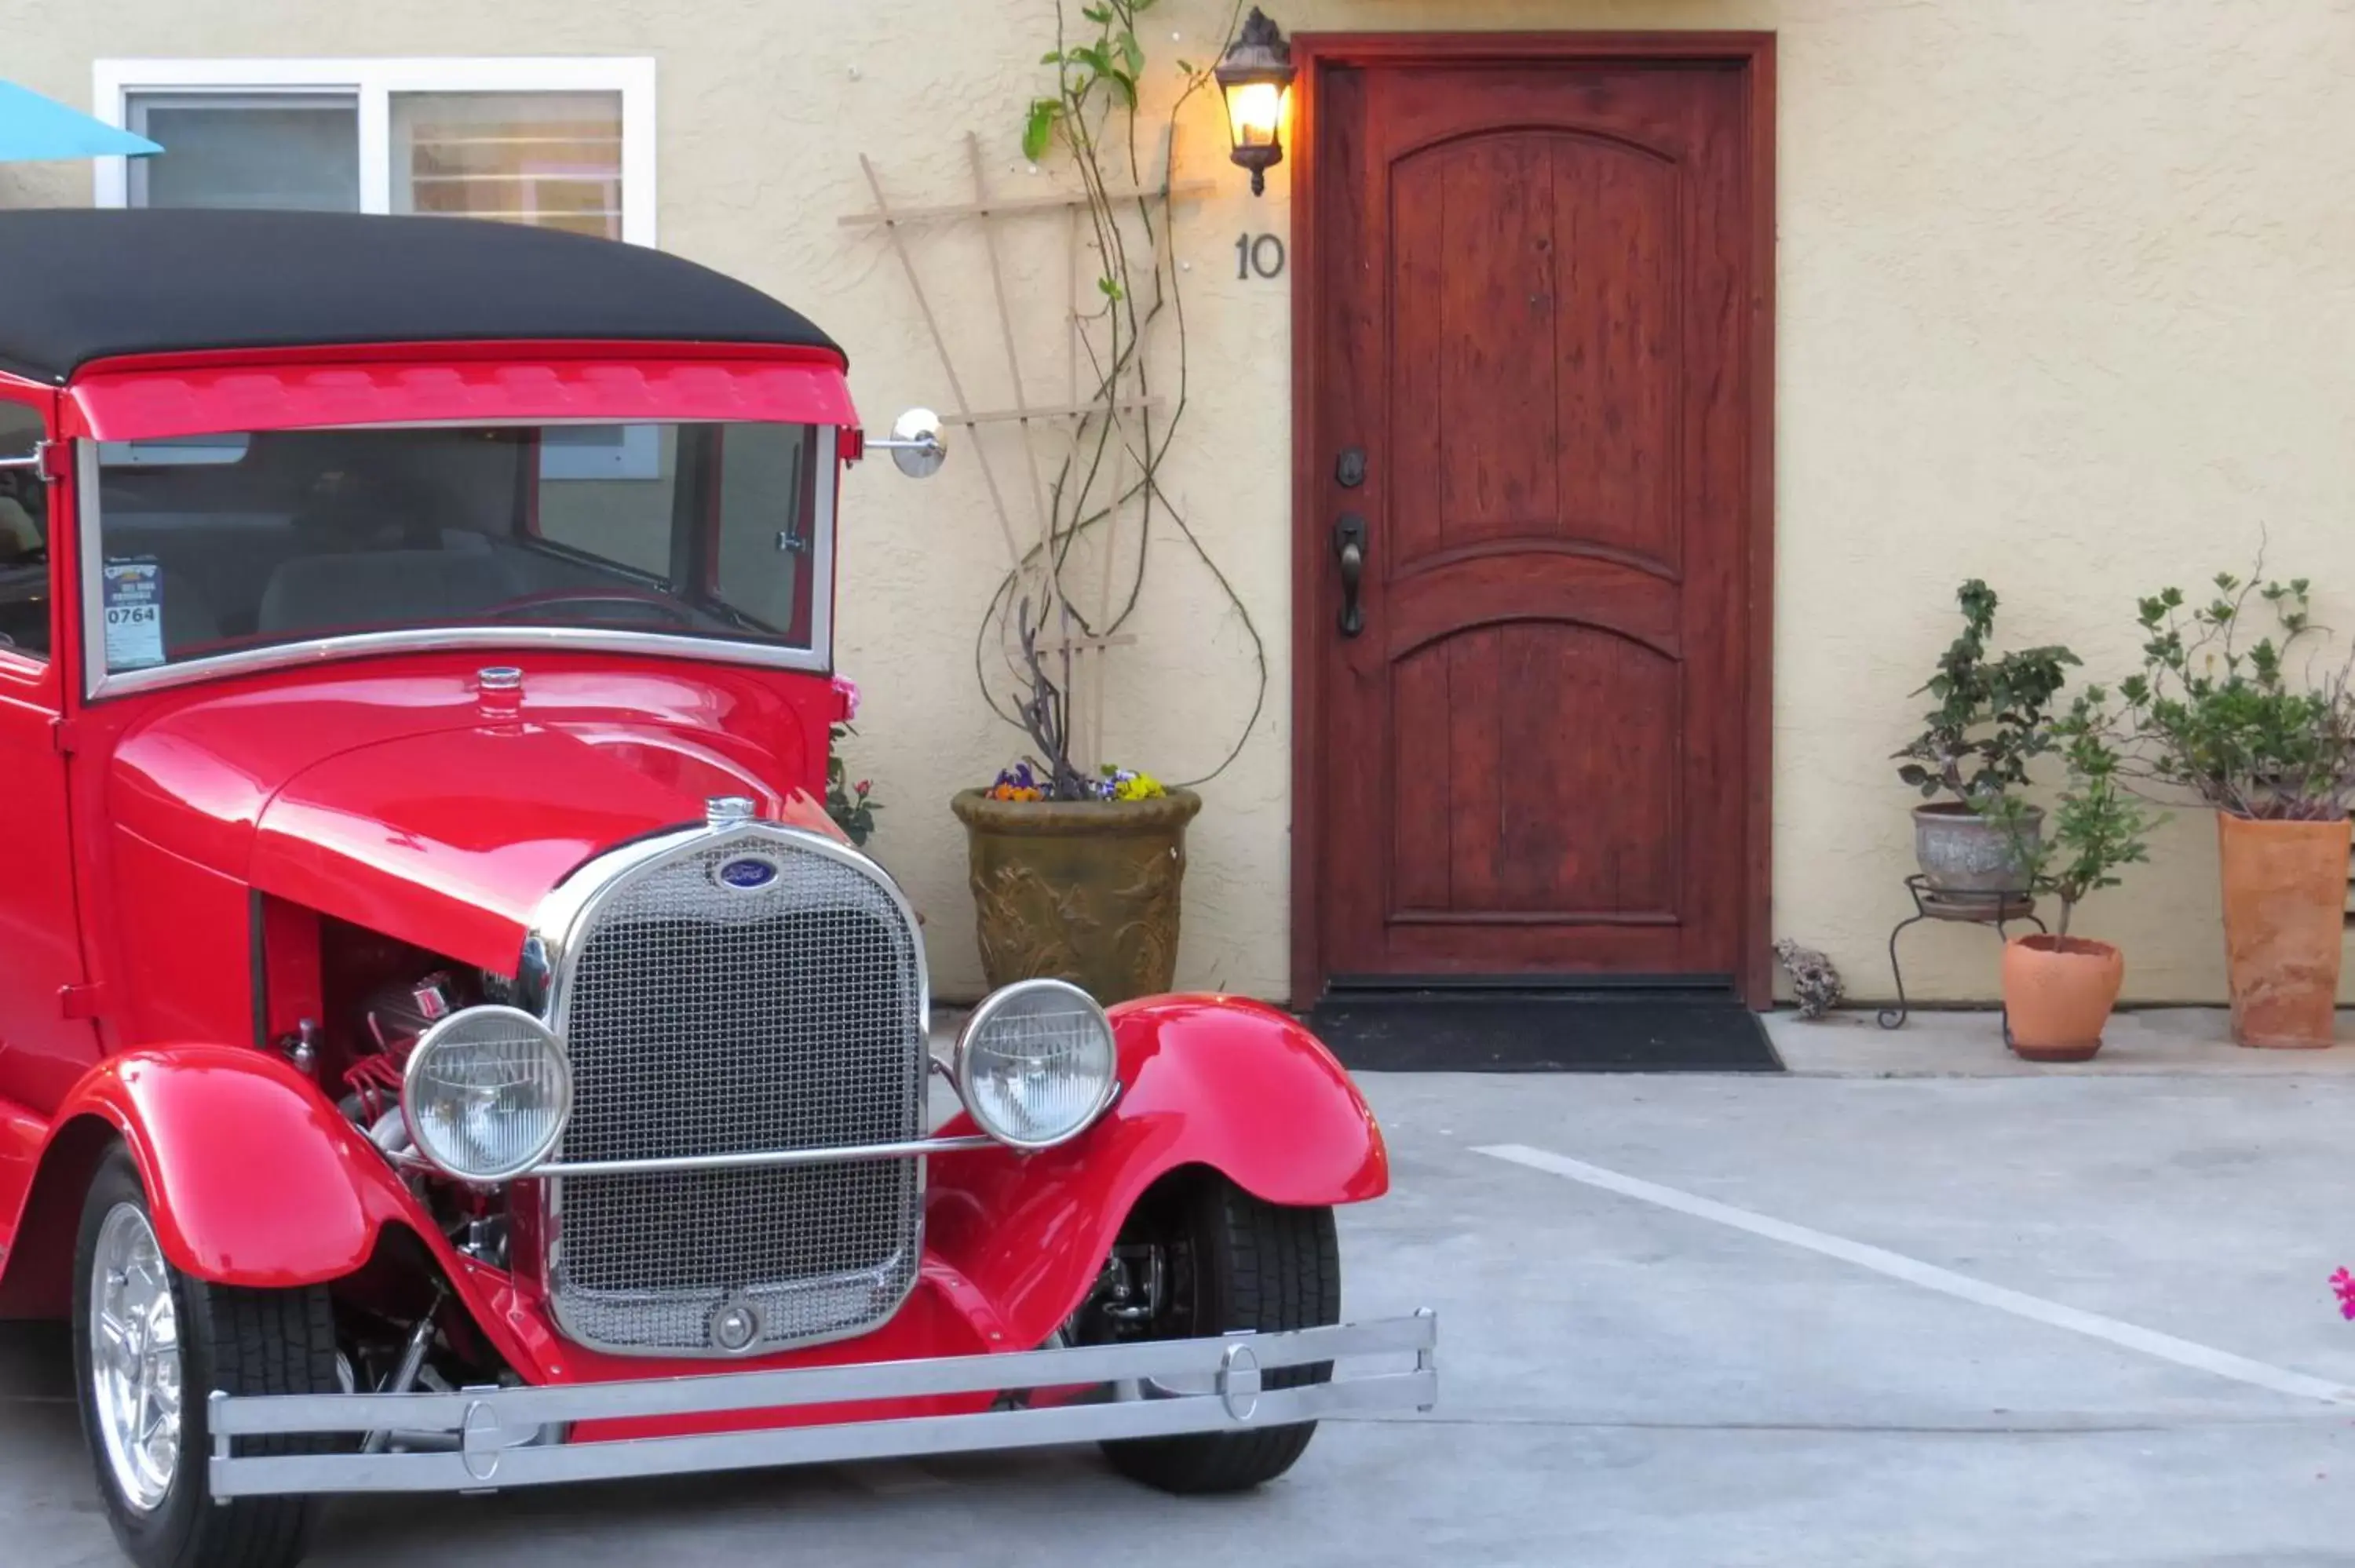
(916, 444)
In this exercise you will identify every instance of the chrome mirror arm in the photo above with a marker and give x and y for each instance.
(915, 444)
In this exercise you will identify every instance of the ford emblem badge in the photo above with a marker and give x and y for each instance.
(747, 874)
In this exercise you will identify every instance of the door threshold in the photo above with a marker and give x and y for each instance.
(1528, 985)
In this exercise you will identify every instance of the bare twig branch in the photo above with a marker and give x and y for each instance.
(1092, 484)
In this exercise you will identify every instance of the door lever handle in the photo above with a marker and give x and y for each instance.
(1350, 550)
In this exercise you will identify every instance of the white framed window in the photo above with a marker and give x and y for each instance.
(558, 144)
(561, 143)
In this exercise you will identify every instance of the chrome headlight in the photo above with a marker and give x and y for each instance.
(486, 1093)
(1035, 1063)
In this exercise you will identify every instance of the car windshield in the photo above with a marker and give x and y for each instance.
(210, 544)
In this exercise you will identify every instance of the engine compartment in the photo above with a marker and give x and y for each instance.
(360, 1002)
(391, 1020)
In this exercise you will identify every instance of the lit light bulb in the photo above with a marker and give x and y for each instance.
(1257, 108)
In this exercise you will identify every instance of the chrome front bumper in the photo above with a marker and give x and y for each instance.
(480, 1439)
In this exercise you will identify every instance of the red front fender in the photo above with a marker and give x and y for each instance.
(1234, 1086)
(254, 1177)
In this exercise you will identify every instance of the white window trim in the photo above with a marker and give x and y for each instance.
(375, 81)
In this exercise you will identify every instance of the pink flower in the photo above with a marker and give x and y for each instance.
(864, 785)
(2344, 1284)
(847, 690)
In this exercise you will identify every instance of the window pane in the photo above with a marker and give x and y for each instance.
(623, 521)
(23, 538)
(764, 537)
(288, 536)
(291, 153)
(552, 159)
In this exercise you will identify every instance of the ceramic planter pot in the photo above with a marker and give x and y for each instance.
(2285, 921)
(1080, 891)
(2057, 995)
(1962, 851)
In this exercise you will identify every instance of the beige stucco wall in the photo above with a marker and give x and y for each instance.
(2067, 296)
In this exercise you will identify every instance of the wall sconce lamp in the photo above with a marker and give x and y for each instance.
(1256, 76)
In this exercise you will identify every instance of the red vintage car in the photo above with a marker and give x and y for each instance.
(440, 1049)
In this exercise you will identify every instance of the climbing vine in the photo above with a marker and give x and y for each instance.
(1095, 114)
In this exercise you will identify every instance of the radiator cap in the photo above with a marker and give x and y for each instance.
(498, 692)
(727, 810)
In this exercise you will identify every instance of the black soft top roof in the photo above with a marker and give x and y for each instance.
(78, 285)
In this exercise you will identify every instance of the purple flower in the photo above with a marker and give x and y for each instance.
(2343, 1283)
(1018, 777)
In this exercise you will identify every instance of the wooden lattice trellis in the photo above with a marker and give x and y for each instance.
(1082, 655)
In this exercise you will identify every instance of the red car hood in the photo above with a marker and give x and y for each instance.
(401, 807)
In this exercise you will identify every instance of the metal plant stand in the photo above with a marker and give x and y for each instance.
(1996, 909)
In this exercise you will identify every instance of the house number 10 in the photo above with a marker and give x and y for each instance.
(1262, 253)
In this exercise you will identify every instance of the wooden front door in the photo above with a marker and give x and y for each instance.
(1533, 376)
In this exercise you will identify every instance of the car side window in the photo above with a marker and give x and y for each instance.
(23, 538)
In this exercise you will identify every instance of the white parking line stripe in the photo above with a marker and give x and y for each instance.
(2165, 1347)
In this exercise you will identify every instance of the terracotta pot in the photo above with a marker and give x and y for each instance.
(1080, 891)
(2057, 995)
(2285, 920)
(1961, 851)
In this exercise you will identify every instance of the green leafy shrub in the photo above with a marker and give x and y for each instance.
(849, 804)
(2097, 828)
(1993, 714)
(2222, 717)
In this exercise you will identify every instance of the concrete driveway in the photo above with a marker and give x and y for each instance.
(1849, 1318)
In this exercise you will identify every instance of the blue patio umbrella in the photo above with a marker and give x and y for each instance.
(34, 129)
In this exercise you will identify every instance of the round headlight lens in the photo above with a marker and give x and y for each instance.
(487, 1093)
(1035, 1063)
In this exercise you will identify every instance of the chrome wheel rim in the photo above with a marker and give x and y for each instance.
(135, 1358)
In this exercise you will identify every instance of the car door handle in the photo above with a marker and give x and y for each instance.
(1350, 550)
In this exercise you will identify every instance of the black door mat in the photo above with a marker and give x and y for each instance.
(1599, 1031)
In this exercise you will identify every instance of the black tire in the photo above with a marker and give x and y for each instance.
(241, 1341)
(1249, 1265)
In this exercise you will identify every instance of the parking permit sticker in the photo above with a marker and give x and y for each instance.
(133, 603)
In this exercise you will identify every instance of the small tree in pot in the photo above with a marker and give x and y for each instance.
(1992, 720)
(2059, 989)
(2219, 715)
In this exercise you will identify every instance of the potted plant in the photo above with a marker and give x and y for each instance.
(2058, 987)
(2221, 716)
(1075, 876)
(1974, 746)
(1076, 871)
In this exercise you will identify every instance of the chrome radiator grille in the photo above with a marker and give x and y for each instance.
(708, 1019)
